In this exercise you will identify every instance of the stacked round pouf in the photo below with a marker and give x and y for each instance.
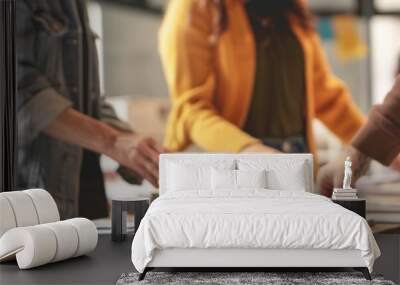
(31, 230)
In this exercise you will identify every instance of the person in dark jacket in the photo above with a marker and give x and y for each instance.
(64, 122)
(379, 139)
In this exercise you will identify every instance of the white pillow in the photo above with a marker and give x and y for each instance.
(282, 174)
(235, 179)
(183, 178)
(223, 179)
(183, 175)
(278, 180)
(251, 178)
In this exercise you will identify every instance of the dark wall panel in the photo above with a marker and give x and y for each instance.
(7, 96)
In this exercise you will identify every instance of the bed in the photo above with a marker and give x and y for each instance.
(246, 211)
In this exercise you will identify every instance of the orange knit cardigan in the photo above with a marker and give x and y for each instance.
(211, 85)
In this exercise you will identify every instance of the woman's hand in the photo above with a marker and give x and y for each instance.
(395, 165)
(259, 147)
(331, 175)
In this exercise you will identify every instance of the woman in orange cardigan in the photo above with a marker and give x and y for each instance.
(249, 75)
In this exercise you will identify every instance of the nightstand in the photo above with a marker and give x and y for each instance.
(355, 205)
(120, 209)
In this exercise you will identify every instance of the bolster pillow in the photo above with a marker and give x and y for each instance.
(40, 244)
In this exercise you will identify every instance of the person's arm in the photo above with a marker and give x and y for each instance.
(41, 108)
(333, 103)
(129, 149)
(380, 137)
(187, 57)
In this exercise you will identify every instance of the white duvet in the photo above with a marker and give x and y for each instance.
(250, 219)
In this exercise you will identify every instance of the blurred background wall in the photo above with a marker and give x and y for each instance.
(131, 53)
(133, 68)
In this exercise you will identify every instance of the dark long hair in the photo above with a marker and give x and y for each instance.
(279, 11)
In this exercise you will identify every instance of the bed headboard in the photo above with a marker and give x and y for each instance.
(212, 158)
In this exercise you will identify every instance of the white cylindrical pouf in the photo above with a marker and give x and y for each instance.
(45, 205)
(23, 208)
(7, 218)
(67, 239)
(34, 246)
(87, 234)
(40, 244)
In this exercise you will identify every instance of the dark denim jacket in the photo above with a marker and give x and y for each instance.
(57, 69)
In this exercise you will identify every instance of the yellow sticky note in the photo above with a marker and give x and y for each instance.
(348, 42)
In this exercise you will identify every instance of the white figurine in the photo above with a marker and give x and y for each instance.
(347, 174)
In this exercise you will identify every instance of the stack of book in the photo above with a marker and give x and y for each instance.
(344, 194)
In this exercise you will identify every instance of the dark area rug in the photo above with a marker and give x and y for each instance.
(268, 278)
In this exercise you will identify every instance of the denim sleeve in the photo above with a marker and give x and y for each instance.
(38, 103)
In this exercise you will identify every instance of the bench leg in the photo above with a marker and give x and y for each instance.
(364, 271)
